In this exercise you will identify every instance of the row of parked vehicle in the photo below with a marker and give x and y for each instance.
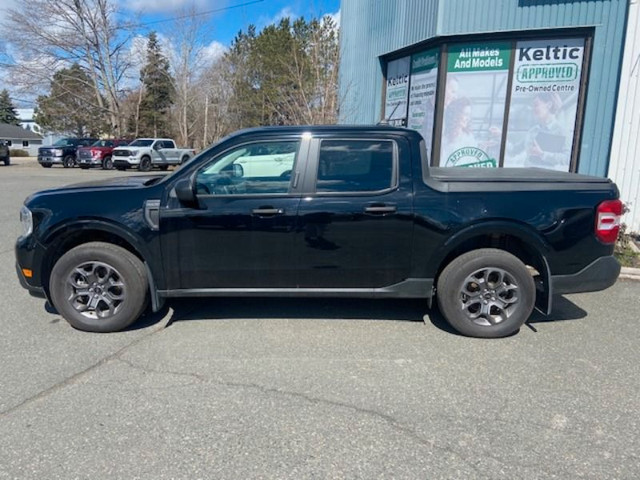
(142, 153)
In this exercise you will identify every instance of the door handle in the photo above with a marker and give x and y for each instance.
(267, 211)
(380, 209)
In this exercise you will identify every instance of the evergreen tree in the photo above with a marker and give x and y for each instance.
(71, 105)
(158, 92)
(8, 112)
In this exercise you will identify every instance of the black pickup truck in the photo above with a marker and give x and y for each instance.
(63, 152)
(322, 211)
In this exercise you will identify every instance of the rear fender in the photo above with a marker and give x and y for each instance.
(495, 230)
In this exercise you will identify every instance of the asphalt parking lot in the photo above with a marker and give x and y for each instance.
(296, 389)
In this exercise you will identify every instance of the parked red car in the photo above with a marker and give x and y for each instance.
(99, 153)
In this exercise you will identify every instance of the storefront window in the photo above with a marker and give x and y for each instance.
(480, 122)
(397, 91)
(474, 100)
(422, 94)
(544, 102)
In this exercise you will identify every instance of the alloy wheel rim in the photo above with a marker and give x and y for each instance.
(489, 296)
(96, 290)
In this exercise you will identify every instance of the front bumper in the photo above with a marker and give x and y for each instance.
(598, 275)
(34, 291)
(91, 162)
(126, 162)
(47, 160)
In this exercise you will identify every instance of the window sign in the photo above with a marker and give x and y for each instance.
(474, 104)
(397, 91)
(422, 95)
(544, 102)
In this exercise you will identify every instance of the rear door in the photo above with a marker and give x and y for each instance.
(355, 219)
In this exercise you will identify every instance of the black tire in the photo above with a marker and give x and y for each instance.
(486, 293)
(145, 164)
(110, 275)
(69, 161)
(7, 161)
(107, 163)
(184, 159)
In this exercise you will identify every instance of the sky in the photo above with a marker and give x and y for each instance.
(223, 19)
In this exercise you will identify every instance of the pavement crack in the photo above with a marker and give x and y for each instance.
(146, 369)
(75, 377)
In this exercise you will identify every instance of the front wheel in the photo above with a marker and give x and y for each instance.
(68, 161)
(7, 161)
(107, 163)
(486, 293)
(145, 164)
(99, 287)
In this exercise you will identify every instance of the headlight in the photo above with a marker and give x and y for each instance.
(57, 152)
(26, 218)
(133, 154)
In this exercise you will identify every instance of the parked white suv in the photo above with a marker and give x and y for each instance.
(146, 153)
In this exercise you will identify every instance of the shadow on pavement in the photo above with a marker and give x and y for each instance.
(298, 308)
(563, 309)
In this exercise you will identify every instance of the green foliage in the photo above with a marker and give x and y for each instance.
(8, 112)
(18, 152)
(70, 107)
(286, 74)
(158, 92)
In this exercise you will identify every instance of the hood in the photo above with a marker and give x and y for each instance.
(118, 183)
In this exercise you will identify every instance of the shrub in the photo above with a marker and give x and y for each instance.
(17, 152)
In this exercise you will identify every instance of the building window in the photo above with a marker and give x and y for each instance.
(511, 103)
(25, 143)
(9, 143)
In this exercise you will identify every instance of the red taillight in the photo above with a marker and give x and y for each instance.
(608, 220)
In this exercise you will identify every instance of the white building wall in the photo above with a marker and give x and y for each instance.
(624, 166)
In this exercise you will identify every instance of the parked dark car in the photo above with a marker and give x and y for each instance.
(5, 153)
(99, 154)
(322, 211)
(63, 152)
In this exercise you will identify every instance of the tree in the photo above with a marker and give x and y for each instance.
(286, 74)
(186, 63)
(71, 106)
(59, 33)
(158, 91)
(8, 112)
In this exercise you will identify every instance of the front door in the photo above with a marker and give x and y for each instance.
(241, 237)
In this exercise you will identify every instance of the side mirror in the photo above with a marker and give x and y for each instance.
(185, 193)
(238, 170)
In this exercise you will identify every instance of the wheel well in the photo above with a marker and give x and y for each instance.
(66, 242)
(527, 254)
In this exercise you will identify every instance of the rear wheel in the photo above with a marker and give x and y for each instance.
(107, 163)
(184, 159)
(486, 293)
(68, 161)
(7, 161)
(99, 287)
(145, 164)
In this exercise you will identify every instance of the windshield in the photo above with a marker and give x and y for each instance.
(63, 142)
(141, 143)
(103, 143)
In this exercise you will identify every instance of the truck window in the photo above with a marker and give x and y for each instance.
(256, 168)
(355, 166)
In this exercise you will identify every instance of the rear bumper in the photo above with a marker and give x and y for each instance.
(598, 275)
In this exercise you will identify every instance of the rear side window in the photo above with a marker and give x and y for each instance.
(355, 166)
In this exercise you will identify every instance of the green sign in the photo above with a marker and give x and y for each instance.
(479, 57)
(424, 62)
(470, 157)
